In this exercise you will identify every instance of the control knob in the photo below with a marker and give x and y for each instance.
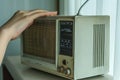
(68, 71)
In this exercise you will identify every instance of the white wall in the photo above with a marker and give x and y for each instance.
(7, 9)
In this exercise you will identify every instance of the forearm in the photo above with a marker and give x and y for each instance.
(4, 40)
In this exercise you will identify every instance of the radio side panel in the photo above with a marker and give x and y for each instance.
(91, 46)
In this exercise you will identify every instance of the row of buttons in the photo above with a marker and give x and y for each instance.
(66, 43)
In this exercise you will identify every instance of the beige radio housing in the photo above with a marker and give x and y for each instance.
(84, 54)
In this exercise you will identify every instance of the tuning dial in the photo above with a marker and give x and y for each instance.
(64, 62)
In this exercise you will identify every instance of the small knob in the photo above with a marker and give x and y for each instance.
(68, 71)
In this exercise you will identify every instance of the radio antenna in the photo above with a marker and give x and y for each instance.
(82, 7)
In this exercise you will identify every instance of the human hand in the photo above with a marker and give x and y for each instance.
(21, 20)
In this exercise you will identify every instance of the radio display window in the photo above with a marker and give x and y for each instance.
(66, 37)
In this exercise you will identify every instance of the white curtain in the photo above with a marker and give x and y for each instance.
(117, 46)
(110, 8)
(67, 7)
(70, 7)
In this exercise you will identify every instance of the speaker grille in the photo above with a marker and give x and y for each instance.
(40, 39)
(98, 45)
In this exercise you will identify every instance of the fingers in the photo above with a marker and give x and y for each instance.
(31, 11)
(36, 11)
(23, 19)
(36, 15)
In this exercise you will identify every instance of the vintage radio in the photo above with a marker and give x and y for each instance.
(73, 47)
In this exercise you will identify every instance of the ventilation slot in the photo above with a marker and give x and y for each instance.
(98, 45)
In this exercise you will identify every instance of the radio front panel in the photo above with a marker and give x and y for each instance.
(66, 37)
(65, 59)
(46, 41)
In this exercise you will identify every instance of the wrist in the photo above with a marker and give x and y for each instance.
(5, 33)
(4, 40)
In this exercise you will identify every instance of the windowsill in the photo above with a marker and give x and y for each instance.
(22, 72)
